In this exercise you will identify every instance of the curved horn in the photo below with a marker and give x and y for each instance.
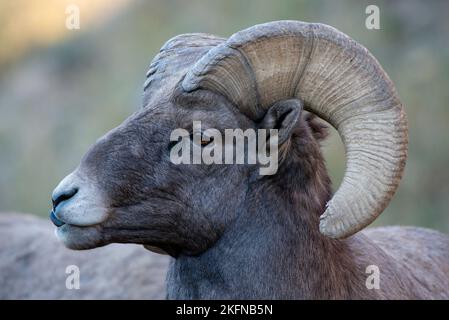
(337, 79)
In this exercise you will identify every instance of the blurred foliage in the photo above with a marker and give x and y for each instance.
(60, 90)
(28, 23)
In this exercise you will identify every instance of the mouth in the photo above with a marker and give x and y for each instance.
(79, 212)
(55, 220)
(59, 223)
(77, 237)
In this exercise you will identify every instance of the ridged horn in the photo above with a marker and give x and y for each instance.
(338, 80)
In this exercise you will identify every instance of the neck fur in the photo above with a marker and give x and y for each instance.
(274, 248)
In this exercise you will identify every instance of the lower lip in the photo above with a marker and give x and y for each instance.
(55, 220)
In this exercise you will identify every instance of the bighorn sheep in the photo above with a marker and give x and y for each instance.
(233, 233)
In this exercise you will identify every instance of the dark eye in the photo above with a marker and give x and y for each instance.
(202, 138)
(203, 141)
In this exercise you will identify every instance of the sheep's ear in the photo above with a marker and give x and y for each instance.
(283, 116)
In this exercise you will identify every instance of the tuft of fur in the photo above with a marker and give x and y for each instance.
(319, 129)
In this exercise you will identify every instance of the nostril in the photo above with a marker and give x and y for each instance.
(63, 196)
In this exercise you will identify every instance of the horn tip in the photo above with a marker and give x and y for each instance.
(333, 229)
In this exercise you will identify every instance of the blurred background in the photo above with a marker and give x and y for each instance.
(61, 89)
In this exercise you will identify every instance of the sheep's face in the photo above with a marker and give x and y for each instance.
(128, 190)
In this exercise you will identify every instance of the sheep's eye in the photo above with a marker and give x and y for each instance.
(201, 138)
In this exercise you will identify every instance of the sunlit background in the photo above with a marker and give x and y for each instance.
(61, 89)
